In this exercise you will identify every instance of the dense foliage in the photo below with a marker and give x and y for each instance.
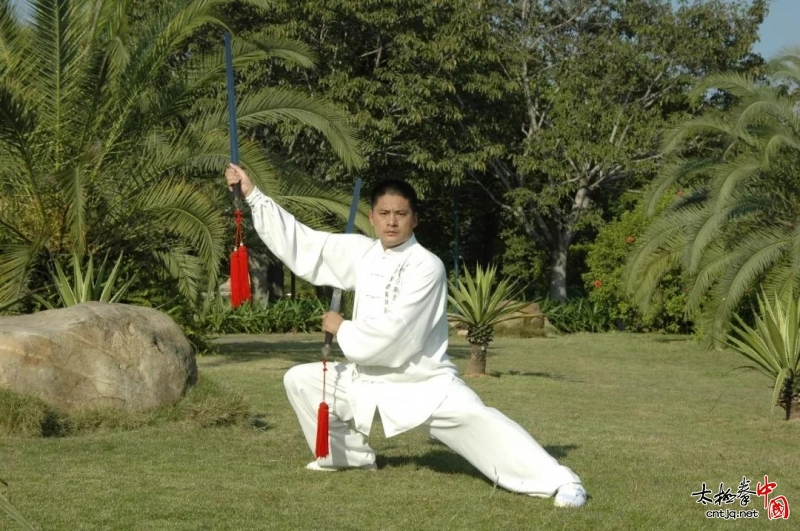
(113, 138)
(606, 278)
(734, 225)
(522, 123)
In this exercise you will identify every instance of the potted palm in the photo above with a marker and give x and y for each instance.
(773, 345)
(480, 305)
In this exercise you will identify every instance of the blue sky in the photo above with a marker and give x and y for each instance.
(781, 27)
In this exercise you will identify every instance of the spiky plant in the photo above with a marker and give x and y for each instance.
(86, 285)
(108, 128)
(773, 345)
(733, 224)
(480, 305)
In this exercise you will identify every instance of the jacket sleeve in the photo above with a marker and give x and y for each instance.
(320, 258)
(391, 339)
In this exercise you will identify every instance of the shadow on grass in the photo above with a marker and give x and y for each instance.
(296, 351)
(678, 339)
(254, 350)
(559, 451)
(444, 461)
(259, 422)
(449, 462)
(538, 374)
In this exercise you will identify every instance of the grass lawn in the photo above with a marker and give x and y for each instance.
(644, 420)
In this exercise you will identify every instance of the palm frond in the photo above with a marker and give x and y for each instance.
(673, 173)
(739, 85)
(756, 254)
(273, 104)
(786, 65)
(15, 260)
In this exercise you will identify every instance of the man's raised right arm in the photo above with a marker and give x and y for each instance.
(318, 257)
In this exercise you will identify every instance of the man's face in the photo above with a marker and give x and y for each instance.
(393, 220)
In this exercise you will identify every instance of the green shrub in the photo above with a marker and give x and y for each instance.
(281, 316)
(605, 280)
(576, 315)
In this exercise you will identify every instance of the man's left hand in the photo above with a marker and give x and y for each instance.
(331, 322)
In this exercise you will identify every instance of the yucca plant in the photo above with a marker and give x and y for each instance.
(91, 285)
(773, 345)
(480, 305)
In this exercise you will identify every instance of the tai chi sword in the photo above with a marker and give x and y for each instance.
(322, 447)
(336, 299)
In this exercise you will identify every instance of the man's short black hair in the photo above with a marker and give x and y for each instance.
(395, 187)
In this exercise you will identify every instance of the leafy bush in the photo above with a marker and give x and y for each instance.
(575, 315)
(282, 316)
(605, 280)
(523, 261)
(207, 404)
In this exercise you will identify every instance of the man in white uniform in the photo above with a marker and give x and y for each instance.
(396, 349)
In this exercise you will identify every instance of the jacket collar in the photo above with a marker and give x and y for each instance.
(402, 247)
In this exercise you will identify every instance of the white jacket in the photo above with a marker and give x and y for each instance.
(398, 337)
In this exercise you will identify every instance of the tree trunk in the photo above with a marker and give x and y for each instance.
(275, 281)
(477, 360)
(558, 270)
(790, 398)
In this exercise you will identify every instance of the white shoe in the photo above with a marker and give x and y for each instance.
(570, 495)
(314, 465)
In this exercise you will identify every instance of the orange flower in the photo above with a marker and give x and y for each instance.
(598, 283)
(630, 239)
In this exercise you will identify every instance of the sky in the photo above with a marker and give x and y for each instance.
(781, 27)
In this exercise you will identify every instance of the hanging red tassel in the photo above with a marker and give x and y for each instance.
(322, 449)
(240, 268)
(322, 431)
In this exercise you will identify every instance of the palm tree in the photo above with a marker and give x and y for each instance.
(480, 305)
(114, 139)
(734, 225)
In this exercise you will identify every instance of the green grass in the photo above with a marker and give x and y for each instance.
(644, 420)
(206, 404)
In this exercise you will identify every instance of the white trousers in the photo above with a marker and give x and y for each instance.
(496, 445)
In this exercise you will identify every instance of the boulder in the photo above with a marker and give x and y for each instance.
(97, 355)
(528, 322)
(528, 318)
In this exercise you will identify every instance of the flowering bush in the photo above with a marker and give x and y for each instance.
(604, 280)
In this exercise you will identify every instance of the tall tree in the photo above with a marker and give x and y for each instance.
(546, 108)
(397, 66)
(105, 132)
(588, 86)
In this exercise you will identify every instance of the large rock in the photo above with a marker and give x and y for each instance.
(97, 355)
(530, 317)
